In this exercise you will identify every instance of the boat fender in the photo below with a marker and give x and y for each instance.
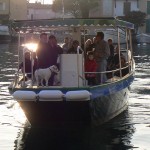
(50, 95)
(78, 95)
(25, 95)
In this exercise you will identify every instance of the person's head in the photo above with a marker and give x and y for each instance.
(99, 36)
(110, 41)
(88, 42)
(90, 55)
(66, 40)
(52, 40)
(75, 44)
(43, 37)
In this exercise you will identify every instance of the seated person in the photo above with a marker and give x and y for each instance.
(123, 63)
(90, 66)
(114, 63)
(125, 70)
(116, 57)
(27, 65)
(73, 49)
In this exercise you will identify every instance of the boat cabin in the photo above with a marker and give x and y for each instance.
(72, 73)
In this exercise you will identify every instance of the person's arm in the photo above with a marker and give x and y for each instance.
(60, 50)
(106, 49)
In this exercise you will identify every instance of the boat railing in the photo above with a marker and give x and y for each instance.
(114, 72)
(20, 76)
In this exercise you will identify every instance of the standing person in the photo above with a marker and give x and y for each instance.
(90, 66)
(53, 53)
(88, 46)
(25, 66)
(110, 60)
(41, 51)
(111, 46)
(102, 53)
(93, 43)
(54, 50)
(66, 45)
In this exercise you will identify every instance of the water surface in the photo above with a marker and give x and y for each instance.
(130, 130)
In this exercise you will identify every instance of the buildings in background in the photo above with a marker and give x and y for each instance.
(113, 8)
(106, 8)
(13, 10)
(4, 9)
(40, 11)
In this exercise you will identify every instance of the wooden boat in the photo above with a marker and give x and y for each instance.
(73, 101)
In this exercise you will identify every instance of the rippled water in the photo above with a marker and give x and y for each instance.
(130, 130)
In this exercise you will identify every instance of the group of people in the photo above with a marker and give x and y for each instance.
(46, 55)
(99, 56)
(100, 52)
(71, 46)
(102, 57)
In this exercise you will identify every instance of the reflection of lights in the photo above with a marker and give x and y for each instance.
(19, 114)
(31, 46)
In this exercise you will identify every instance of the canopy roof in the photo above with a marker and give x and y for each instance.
(86, 23)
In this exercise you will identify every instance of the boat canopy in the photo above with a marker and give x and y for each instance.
(22, 25)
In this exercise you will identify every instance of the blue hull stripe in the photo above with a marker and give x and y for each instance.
(111, 89)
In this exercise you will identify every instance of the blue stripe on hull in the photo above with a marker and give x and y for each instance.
(107, 107)
(111, 88)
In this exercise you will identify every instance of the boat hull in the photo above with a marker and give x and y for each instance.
(92, 112)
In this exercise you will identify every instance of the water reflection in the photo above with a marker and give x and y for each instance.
(115, 135)
(8, 61)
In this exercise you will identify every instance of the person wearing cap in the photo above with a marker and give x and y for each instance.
(102, 52)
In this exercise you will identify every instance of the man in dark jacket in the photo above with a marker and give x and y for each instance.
(42, 52)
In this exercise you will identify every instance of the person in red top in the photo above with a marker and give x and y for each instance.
(90, 66)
